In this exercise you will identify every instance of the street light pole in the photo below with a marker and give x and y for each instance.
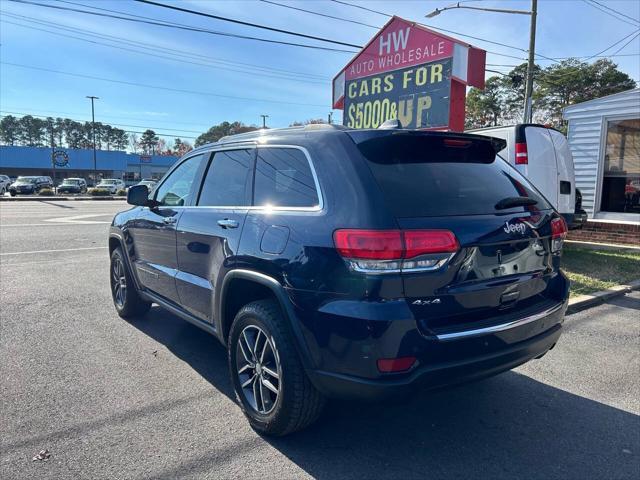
(528, 104)
(528, 92)
(264, 120)
(93, 134)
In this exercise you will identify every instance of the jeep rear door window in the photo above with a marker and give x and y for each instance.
(227, 181)
(284, 179)
(423, 176)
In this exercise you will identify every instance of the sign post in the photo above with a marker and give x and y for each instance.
(409, 73)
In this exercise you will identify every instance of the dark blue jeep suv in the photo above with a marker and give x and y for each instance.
(350, 263)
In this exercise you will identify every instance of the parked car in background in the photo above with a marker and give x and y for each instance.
(5, 181)
(149, 183)
(73, 185)
(543, 156)
(334, 262)
(111, 184)
(25, 185)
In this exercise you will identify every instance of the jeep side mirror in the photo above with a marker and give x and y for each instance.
(138, 195)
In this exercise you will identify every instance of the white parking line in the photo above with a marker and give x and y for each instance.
(53, 251)
(78, 219)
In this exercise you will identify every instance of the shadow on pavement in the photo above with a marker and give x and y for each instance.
(509, 426)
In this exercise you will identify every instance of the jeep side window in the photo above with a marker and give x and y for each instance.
(176, 190)
(284, 179)
(227, 181)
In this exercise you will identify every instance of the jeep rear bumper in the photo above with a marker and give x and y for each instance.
(431, 376)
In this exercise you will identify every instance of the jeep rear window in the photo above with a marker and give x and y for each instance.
(429, 176)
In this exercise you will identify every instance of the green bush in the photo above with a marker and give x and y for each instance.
(122, 192)
(46, 192)
(98, 192)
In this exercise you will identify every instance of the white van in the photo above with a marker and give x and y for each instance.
(542, 155)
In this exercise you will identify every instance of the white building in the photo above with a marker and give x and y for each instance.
(604, 137)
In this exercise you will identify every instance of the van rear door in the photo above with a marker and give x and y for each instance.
(541, 169)
(566, 178)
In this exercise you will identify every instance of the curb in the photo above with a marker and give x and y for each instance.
(603, 246)
(59, 199)
(592, 299)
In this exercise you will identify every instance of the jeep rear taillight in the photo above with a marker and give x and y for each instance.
(559, 232)
(383, 251)
(522, 156)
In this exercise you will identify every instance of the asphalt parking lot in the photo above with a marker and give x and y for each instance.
(151, 398)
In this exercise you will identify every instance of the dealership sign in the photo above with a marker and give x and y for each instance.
(410, 73)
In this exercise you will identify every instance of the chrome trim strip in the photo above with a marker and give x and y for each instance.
(447, 337)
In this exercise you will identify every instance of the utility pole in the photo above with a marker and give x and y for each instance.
(93, 134)
(264, 120)
(528, 104)
(53, 157)
(528, 93)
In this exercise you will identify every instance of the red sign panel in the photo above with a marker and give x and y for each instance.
(400, 74)
(399, 45)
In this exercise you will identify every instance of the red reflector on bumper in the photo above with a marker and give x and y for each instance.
(389, 365)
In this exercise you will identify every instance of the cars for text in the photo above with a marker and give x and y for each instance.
(346, 263)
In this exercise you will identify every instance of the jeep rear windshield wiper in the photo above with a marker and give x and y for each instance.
(510, 202)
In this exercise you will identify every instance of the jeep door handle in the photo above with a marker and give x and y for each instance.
(169, 220)
(227, 223)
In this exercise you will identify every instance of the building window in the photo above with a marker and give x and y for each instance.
(132, 177)
(621, 179)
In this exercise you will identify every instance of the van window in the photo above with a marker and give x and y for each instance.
(227, 180)
(421, 176)
(284, 179)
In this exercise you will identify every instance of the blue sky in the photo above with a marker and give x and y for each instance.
(253, 70)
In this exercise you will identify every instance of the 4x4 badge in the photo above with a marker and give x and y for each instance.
(426, 302)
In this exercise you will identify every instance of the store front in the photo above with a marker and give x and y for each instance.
(621, 172)
(604, 137)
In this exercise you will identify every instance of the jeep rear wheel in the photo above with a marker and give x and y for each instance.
(269, 380)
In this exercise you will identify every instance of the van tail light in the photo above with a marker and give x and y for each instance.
(559, 232)
(384, 251)
(522, 157)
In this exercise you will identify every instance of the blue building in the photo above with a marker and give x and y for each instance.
(131, 168)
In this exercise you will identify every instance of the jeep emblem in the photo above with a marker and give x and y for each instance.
(514, 227)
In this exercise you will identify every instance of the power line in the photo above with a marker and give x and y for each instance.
(249, 24)
(57, 112)
(557, 76)
(616, 11)
(594, 4)
(388, 15)
(127, 131)
(158, 55)
(156, 47)
(158, 87)
(184, 27)
(291, 7)
(632, 39)
(362, 8)
(616, 43)
(110, 123)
